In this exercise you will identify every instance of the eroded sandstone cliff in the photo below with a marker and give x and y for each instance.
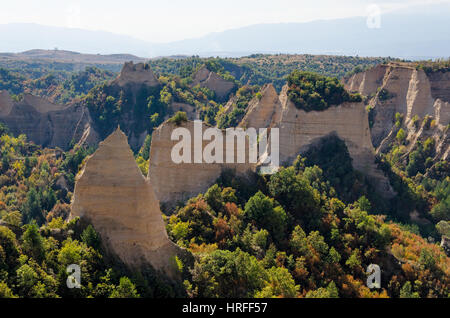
(205, 78)
(177, 182)
(298, 130)
(349, 121)
(47, 124)
(113, 195)
(52, 125)
(404, 89)
(263, 111)
(139, 73)
(6, 103)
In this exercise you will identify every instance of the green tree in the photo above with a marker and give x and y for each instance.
(217, 274)
(401, 136)
(214, 198)
(33, 243)
(5, 291)
(9, 250)
(278, 284)
(125, 289)
(364, 204)
(90, 237)
(407, 292)
(26, 279)
(267, 215)
(296, 195)
(31, 209)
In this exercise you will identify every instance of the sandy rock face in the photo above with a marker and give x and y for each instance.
(187, 108)
(114, 196)
(139, 73)
(300, 129)
(6, 103)
(261, 113)
(177, 182)
(367, 82)
(47, 124)
(440, 86)
(412, 93)
(212, 81)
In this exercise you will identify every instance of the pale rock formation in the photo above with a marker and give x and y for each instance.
(187, 108)
(442, 112)
(48, 124)
(411, 92)
(6, 103)
(440, 85)
(264, 111)
(177, 182)
(139, 73)
(113, 195)
(300, 129)
(367, 82)
(52, 125)
(212, 81)
(40, 104)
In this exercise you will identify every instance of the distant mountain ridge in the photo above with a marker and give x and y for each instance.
(71, 56)
(420, 32)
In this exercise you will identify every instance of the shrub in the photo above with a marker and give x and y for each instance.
(179, 118)
(384, 95)
(309, 91)
(401, 136)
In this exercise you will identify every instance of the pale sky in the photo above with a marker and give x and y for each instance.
(171, 20)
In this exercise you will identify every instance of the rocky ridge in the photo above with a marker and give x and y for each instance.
(113, 195)
(264, 111)
(402, 88)
(139, 73)
(298, 131)
(47, 124)
(177, 182)
(205, 78)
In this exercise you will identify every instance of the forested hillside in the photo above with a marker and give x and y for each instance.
(310, 230)
(260, 69)
(58, 86)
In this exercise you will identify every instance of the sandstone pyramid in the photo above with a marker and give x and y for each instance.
(205, 78)
(139, 73)
(113, 195)
(263, 112)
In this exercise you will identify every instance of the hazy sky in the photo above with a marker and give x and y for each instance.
(169, 20)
